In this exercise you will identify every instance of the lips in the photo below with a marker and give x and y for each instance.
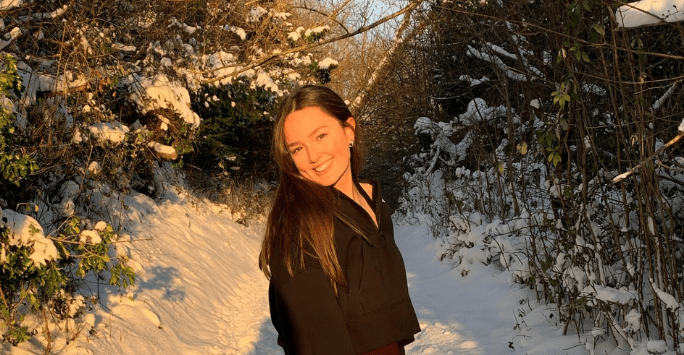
(323, 166)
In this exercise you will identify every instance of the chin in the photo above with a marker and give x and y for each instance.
(325, 181)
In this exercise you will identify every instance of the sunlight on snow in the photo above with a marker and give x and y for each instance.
(439, 338)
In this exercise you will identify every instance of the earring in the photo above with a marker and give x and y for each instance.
(351, 144)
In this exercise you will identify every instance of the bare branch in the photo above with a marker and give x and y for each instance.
(332, 16)
(270, 57)
(396, 44)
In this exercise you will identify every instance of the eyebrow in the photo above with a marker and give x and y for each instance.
(310, 134)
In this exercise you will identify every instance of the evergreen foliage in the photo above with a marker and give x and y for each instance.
(235, 130)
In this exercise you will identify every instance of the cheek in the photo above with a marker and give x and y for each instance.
(298, 162)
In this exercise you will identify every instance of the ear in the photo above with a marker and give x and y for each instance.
(350, 128)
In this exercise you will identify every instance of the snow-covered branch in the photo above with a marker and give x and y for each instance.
(255, 64)
(510, 73)
(661, 101)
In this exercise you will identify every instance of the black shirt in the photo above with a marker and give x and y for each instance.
(373, 310)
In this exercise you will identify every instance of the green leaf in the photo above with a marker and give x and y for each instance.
(599, 29)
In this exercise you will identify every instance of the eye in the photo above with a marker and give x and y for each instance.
(295, 150)
(321, 136)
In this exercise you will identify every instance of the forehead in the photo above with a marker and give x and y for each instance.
(299, 124)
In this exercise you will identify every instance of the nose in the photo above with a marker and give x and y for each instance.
(314, 153)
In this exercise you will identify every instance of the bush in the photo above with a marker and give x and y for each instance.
(40, 274)
(14, 164)
(562, 104)
(235, 133)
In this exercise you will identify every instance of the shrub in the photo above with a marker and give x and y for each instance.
(39, 274)
(565, 104)
(14, 163)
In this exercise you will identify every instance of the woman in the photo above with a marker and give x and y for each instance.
(337, 280)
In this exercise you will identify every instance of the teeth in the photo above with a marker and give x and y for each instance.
(323, 167)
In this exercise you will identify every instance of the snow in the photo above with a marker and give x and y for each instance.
(25, 231)
(159, 92)
(316, 30)
(496, 61)
(656, 346)
(45, 15)
(9, 37)
(10, 4)
(124, 48)
(164, 151)
(237, 30)
(296, 34)
(669, 300)
(649, 12)
(199, 291)
(255, 14)
(89, 236)
(328, 63)
(609, 294)
(108, 132)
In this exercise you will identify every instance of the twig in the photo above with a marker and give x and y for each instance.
(48, 336)
(631, 171)
(332, 16)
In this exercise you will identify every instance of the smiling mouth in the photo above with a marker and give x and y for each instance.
(323, 166)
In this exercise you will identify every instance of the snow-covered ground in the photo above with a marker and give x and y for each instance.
(199, 291)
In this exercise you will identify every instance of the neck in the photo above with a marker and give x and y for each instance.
(346, 184)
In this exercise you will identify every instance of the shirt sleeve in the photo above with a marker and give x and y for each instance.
(310, 318)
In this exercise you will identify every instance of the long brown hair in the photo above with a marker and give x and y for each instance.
(303, 211)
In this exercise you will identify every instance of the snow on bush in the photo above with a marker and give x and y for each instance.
(121, 96)
(24, 231)
(482, 217)
(328, 63)
(160, 92)
(108, 132)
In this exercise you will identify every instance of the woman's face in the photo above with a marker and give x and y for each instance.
(319, 146)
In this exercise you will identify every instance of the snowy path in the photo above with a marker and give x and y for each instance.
(458, 315)
(199, 291)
